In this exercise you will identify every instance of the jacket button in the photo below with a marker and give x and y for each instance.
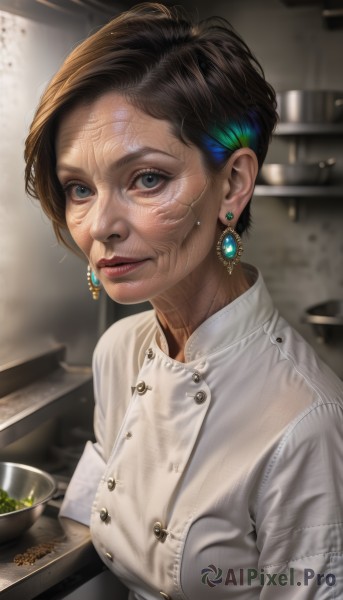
(111, 483)
(104, 514)
(109, 556)
(159, 532)
(165, 596)
(200, 397)
(141, 387)
(196, 377)
(149, 353)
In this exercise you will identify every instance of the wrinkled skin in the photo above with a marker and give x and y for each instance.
(135, 191)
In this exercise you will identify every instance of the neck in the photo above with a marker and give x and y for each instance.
(180, 313)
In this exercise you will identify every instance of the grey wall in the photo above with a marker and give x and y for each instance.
(43, 289)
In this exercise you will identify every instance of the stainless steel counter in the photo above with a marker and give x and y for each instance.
(55, 555)
(72, 550)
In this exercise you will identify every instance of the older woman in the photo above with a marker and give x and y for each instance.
(217, 470)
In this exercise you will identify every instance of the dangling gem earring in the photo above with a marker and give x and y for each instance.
(94, 284)
(229, 246)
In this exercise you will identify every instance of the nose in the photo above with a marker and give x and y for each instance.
(108, 219)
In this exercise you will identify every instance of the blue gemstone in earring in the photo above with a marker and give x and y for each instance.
(94, 284)
(229, 247)
(95, 281)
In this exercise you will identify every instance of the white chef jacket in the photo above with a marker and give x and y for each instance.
(220, 477)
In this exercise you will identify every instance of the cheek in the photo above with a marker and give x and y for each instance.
(176, 213)
(79, 230)
(166, 231)
(178, 248)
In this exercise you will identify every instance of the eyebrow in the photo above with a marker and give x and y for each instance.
(124, 160)
(128, 158)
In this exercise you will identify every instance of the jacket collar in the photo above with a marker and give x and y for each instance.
(235, 321)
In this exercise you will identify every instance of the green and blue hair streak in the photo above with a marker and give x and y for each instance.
(224, 140)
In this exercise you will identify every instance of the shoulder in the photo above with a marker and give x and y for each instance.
(313, 432)
(305, 371)
(319, 423)
(309, 444)
(126, 337)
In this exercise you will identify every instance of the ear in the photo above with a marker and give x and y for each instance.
(240, 174)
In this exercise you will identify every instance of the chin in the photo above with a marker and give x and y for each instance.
(127, 294)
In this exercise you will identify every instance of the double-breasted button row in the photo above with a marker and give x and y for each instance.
(196, 376)
(109, 556)
(141, 387)
(200, 397)
(104, 514)
(111, 483)
(159, 532)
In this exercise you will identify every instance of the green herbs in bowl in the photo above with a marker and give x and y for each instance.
(9, 504)
(24, 492)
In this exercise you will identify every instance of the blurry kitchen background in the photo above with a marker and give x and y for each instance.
(298, 245)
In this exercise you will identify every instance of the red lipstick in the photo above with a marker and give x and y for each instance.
(119, 265)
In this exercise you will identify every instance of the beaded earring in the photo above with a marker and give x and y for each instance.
(229, 246)
(94, 284)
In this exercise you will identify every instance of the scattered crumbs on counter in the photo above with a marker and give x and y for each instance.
(30, 556)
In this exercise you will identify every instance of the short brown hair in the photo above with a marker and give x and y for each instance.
(201, 77)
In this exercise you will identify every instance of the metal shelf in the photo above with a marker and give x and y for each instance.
(309, 129)
(293, 193)
(300, 191)
(38, 389)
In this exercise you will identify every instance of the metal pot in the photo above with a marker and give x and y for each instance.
(327, 313)
(310, 106)
(297, 173)
(325, 319)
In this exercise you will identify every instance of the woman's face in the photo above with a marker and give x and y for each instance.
(134, 197)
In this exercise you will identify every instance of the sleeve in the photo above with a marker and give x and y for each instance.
(100, 377)
(299, 515)
(78, 500)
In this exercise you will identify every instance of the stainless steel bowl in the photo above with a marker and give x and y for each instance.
(21, 481)
(297, 173)
(310, 106)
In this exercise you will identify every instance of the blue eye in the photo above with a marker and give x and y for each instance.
(81, 191)
(150, 180)
(77, 191)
